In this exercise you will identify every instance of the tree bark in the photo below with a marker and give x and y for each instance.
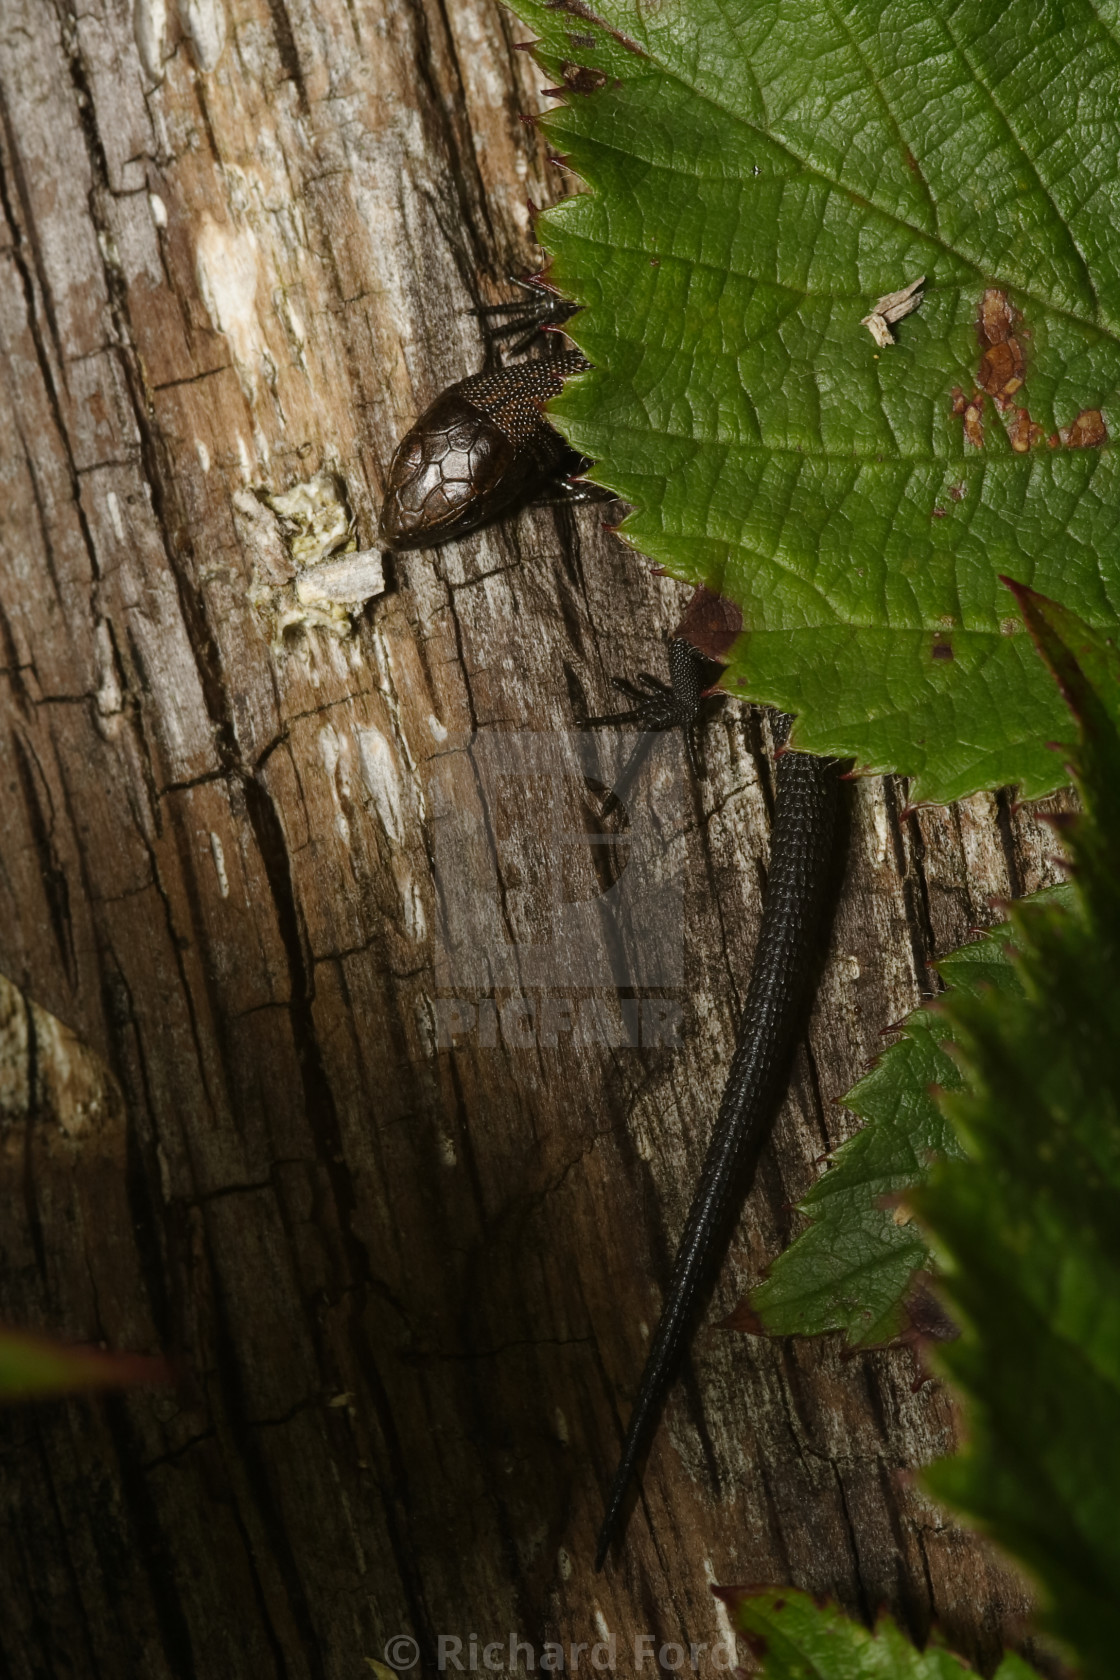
(404, 1253)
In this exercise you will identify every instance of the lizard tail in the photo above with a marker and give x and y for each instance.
(805, 810)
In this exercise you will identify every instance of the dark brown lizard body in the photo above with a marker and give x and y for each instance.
(480, 452)
(805, 809)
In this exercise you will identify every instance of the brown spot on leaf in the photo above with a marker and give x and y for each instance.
(996, 320)
(1088, 430)
(1001, 371)
(958, 492)
(578, 8)
(710, 623)
(969, 408)
(743, 1318)
(942, 649)
(581, 78)
(1001, 374)
(1023, 431)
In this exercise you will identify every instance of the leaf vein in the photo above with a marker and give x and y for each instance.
(989, 92)
(936, 240)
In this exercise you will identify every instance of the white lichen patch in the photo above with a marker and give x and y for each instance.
(217, 852)
(412, 902)
(110, 694)
(382, 779)
(388, 798)
(314, 518)
(48, 1075)
(891, 308)
(227, 270)
(334, 750)
(204, 23)
(307, 570)
(875, 813)
(149, 22)
(723, 1620)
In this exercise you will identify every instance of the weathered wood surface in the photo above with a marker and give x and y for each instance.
(408, 1285)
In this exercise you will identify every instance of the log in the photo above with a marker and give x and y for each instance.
(331, 1066)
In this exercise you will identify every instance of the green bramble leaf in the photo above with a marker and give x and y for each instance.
(762, 176)
(853, 1268)
(1027, 1223)
(797, 1639)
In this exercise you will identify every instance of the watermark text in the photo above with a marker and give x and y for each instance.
(644, 1653)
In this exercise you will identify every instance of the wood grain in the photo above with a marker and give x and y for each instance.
(408, 1286)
